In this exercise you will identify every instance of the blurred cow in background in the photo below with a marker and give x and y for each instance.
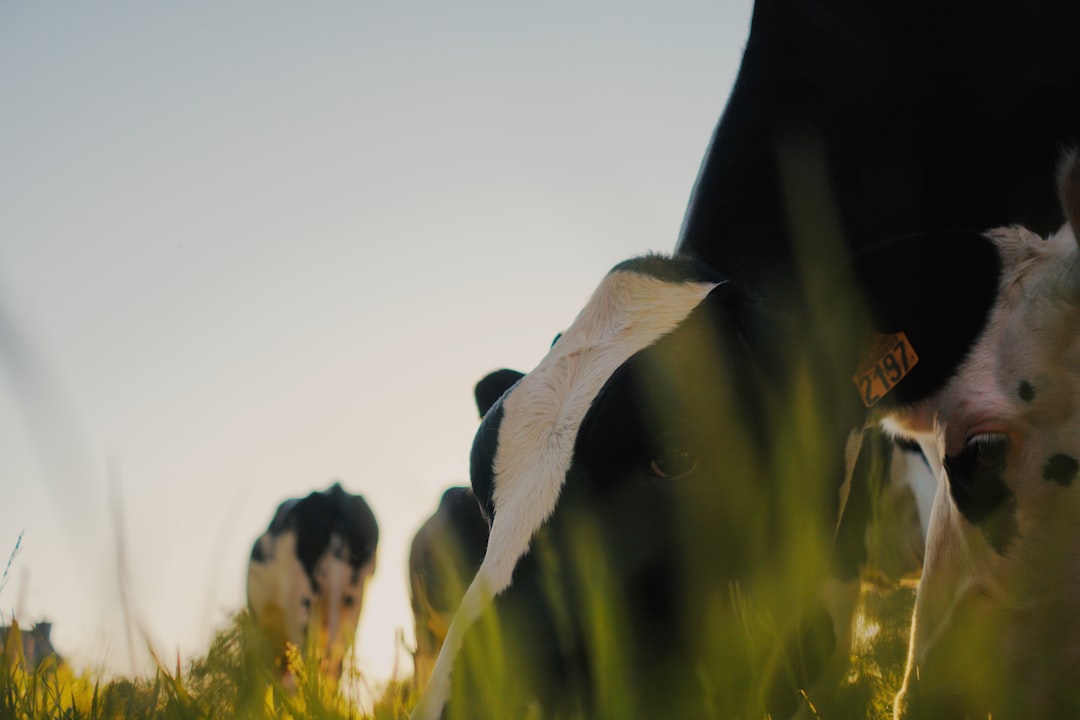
(447, 550)
(308, 571)
(444, 556)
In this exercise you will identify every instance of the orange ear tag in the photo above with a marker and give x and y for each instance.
(884, 365)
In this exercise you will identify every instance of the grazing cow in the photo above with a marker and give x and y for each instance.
(443, 558)
(685, 433)
(627, 435)
(447, 550)
(308, 571)
(996, 631)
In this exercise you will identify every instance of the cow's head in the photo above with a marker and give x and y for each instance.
(636, 468)
(663, 487)
(997, 619)
(308, 572)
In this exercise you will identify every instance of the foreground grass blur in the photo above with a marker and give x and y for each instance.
(233, 680)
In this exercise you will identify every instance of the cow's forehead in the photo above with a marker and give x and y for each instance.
(1037, 299)
(1032, 261)
(629, 311)
(1031, 322)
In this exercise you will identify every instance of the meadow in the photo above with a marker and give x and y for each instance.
(236, 679)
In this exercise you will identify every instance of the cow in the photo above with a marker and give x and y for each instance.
(446, 551)
(308, 572)
(443, 558)
(683, 438)
(626, 435)
(632, 476)
(996, 629)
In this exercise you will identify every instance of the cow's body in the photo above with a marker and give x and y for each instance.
(687, 431)
(875, 120)
(308, 572)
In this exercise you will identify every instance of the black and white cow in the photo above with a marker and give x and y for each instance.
(308, 572)
(679, 447)
(654, 429)
(996, 631)
(447, 550)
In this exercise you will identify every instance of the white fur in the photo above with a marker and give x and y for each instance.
(278, 588)
(541, 416)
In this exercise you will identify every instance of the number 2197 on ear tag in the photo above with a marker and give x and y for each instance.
(887, 362)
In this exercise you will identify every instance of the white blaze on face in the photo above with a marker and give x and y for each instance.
(541, 416)
(337, 604)
(279, 592)
(289, 609)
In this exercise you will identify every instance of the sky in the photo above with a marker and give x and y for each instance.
(251, 248)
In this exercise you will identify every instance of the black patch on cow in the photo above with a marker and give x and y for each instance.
(907, 445)
(672, 270)
(1026, 391)
(258, 552)
(321, 515)
(482, 458)
(1061, 469)
(977, 486)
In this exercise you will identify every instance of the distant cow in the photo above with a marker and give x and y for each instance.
(448, 548)
(444, 556)
(308, 572)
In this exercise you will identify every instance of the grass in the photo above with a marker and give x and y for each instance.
(734, 647)
(235, 680)
(725, 662)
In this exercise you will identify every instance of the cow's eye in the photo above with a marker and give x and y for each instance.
(349, 601)
(306, 604)
(990, 450)
(676, 458)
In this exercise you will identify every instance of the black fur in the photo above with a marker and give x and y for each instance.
(480, 459)
(977, 485)
(1026, 392)
(1061, 469)
(927, 116)
(322, 514)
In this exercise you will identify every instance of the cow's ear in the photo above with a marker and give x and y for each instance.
(938, 290)
(493, 386)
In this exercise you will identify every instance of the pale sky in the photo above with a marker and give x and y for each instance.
(248, 248)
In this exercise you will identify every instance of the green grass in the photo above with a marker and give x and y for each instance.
(235, 680)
